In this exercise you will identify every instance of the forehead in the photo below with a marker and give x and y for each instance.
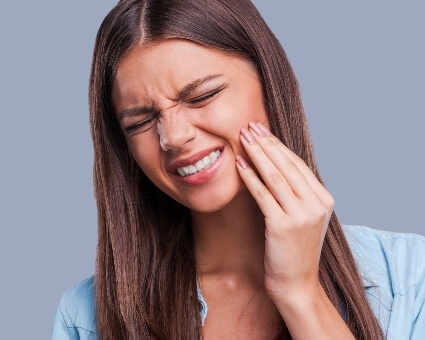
(162, 68)
(178, 56)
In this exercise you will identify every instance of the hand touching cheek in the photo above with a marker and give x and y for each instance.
(296, 209)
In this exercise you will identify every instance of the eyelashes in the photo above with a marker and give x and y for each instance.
(149, 120)
(206, 96)
(142, 126)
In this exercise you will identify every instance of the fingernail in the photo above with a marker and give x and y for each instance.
(247, 136)
(242, 162)
(264, 128)
(256, 129)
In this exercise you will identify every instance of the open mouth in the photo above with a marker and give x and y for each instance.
(200, 165)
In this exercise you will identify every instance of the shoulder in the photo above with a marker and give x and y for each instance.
(392, 266)
(76, 312)
(381, 255)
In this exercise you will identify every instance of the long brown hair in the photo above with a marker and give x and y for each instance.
(146, 269)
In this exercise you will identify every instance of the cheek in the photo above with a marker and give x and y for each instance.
(255, 104)
(248, 104)
(233, 111)
(240, 112)
(146, 152)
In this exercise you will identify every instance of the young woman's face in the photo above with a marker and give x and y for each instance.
(181, 107)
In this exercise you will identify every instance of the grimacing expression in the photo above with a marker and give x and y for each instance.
(181, 107)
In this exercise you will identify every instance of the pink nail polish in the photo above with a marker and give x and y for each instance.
(247, 136)
(242, 162)
(266, 130)
(256, 129)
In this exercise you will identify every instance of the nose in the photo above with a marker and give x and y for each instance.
(175, 130)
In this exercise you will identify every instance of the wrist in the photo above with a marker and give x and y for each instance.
(309, 314)
(299, 297)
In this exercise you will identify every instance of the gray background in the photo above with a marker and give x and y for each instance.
(361, 70)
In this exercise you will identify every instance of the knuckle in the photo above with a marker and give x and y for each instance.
(302, 220)
(251, 176)
(275, 139)
(269, 142)
(292, 166)
(277, 177)
(330, 203)
(298, 160)
(322, 213)
(312, 218)
(262, 192)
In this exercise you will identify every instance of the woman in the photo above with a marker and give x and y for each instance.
(213, 220)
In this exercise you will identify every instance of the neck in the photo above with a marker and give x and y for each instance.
(229, 243)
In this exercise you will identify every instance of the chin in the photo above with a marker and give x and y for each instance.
(217, 202)
(209, 205)
(207, 208)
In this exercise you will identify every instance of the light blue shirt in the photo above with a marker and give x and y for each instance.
(392, 266)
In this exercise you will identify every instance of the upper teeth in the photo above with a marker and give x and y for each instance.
(199, 165)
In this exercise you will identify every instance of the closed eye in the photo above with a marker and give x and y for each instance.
(141, 126)
(205, 97)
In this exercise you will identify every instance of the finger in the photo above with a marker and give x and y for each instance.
(273, 177)
(293, 175)
(264, 198)
(320, 191)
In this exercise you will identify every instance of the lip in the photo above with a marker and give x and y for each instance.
(199, 177)
(192, 159)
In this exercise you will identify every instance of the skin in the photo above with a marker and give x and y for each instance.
(147, 77)
(257, 241)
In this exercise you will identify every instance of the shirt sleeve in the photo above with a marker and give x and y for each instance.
(418, 326)
(392, 266)
(75, 316)
(62, 329)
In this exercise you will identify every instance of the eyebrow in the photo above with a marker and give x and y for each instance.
(188, 89)
(135, 111)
